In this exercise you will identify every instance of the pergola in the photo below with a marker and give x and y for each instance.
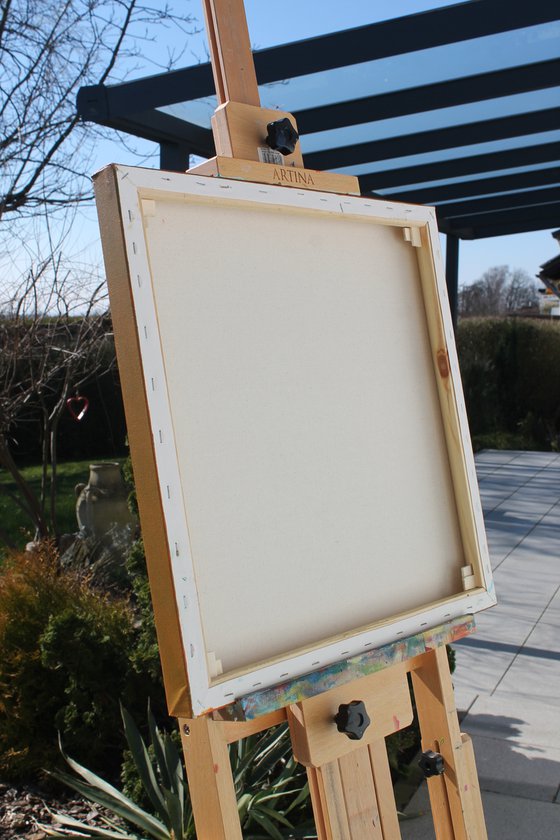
(457, 107)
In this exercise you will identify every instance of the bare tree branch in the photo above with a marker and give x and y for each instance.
(48, 50)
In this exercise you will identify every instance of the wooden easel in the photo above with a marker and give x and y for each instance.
(350, 780)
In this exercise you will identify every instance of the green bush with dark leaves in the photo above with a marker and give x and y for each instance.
(65, 664)
(145, 655)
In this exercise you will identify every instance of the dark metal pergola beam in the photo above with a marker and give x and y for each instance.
(467, 89)
(457, 167)
(160, 127)
(480, 186)
(483, 131)
(421, 31)
(507, 229)
(98, 102)
(519, 219)
(164, 128)
(530, 198)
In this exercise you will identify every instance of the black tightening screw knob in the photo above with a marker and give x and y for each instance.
(352, 719)
(282, 136)
(431, 764)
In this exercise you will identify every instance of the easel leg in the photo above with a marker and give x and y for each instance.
(384, 788)
(473, 800)
(210, 779)
(454, 796)
(318, 804)
(353, 797)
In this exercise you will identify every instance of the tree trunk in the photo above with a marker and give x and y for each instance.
(53, 422)
(45, 459)
(31, 500)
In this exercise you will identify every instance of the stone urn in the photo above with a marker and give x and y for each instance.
(102, 502)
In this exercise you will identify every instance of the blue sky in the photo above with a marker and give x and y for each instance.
(277, 23)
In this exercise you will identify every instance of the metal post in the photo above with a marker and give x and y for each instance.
(174, 156)
(452, 273)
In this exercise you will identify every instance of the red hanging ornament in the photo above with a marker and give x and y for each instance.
(77, 406)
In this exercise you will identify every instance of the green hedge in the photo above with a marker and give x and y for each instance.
(510, 371)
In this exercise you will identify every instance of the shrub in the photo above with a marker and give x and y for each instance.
(145, 656)
(64, 665)
(512, 392)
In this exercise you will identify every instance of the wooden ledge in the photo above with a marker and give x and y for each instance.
(309, 685)
(281, 176)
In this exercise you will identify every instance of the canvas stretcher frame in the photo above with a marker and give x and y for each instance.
(132, 232)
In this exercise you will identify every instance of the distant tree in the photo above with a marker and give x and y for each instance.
(500, 291)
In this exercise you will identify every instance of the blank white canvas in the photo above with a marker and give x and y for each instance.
(308, 433)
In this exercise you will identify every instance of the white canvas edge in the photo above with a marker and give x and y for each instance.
(204, 695)
(466, 446)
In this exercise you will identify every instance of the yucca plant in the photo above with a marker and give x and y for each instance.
(269, 784)
(271, 787)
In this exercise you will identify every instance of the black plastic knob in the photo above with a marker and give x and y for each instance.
(352, 719)
(282, 136)
(431, 764)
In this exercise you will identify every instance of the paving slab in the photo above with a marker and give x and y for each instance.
(491, 629)
(478, 672)
(496, 456)
(521, 508)
(546, 638)
(538, 565)
(525, 586)
(517, 769)
(551, 615)
(553, 515)
(506, 519)
(546, 481)
(541, 542)
(546, 495)
(533, 676)
(494, 495)
(507, 818)
(516, 720)
(541, 459)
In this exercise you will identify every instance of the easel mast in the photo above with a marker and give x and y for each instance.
(350, 780)
(240, 125)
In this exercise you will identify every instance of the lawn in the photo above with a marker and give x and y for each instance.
(13, 520)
